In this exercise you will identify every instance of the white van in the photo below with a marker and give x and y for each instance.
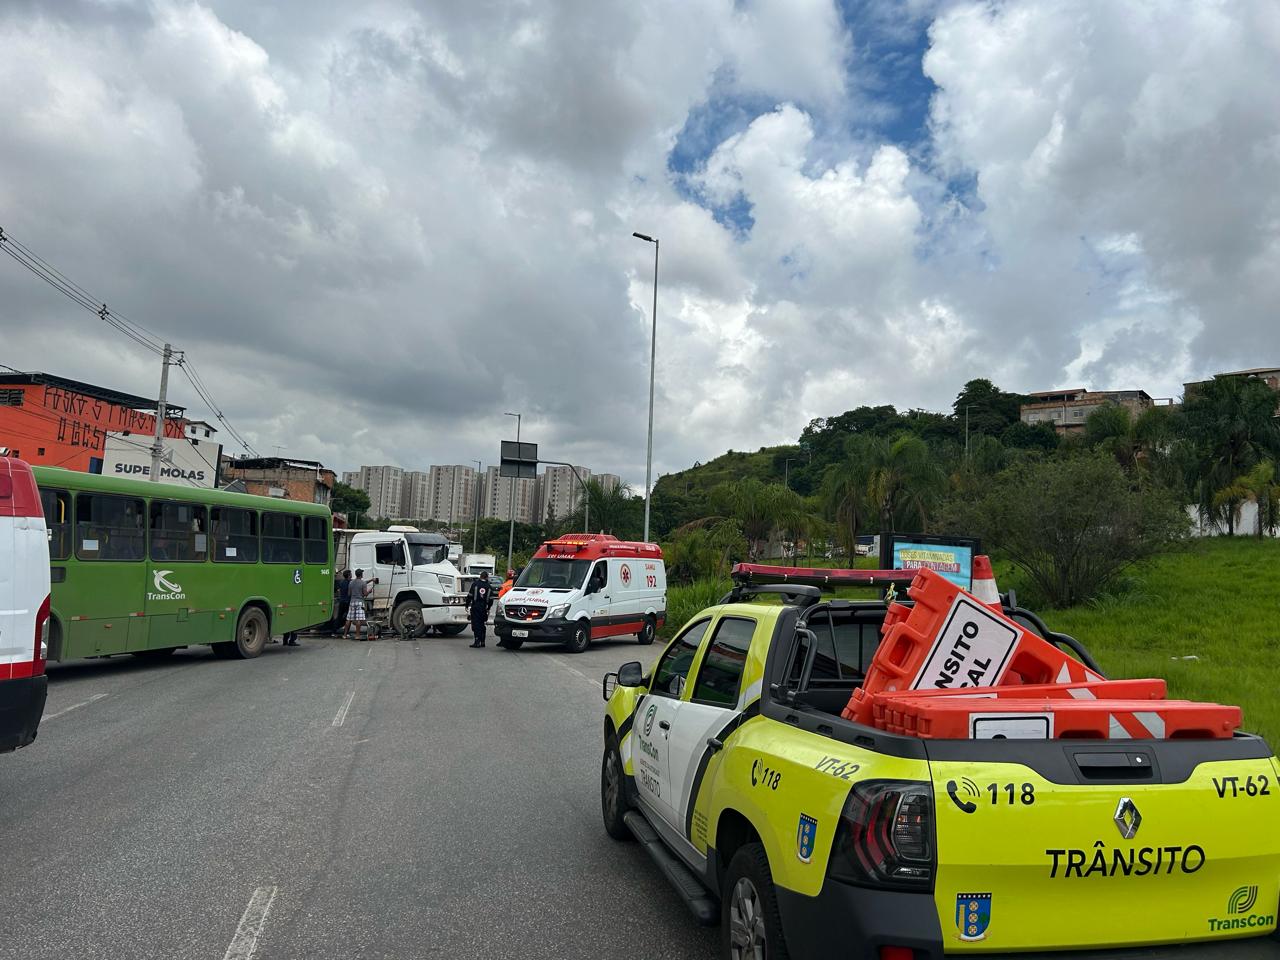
(24, 605)
(583, 587)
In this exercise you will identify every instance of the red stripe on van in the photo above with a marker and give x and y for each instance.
(18, 494)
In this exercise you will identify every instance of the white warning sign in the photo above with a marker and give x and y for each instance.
(972, 649)
(1009, 726)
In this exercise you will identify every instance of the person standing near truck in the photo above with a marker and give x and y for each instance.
(344, 598)
(478, 598)
(355, 605)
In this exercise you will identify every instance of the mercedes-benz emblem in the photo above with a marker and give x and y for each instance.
(1127, 818)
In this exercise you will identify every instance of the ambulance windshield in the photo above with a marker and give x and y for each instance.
(554, 574)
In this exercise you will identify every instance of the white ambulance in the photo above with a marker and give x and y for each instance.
(583, 587)
(24, 605)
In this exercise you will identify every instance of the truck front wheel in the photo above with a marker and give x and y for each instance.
(406, 619)
(750, 925)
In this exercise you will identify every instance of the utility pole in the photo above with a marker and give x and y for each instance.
(157, 448)
(511, 533)
(475, 511)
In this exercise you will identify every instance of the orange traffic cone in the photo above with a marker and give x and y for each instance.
(984, 582)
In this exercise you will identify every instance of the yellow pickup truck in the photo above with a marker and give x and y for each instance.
(807, 835)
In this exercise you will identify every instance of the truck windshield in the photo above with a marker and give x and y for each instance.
(554, 574)
(423, 554)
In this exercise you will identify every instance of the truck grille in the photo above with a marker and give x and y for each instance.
(525, 614)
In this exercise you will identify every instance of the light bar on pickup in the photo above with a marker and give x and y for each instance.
(820, 576)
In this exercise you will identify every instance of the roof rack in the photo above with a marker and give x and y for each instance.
(793, 594)
(820, 577)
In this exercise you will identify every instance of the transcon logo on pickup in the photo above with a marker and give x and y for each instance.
(1241, 901)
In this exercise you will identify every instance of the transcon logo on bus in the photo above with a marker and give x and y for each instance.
(166, 589)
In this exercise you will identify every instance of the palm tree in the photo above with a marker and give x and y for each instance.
(609, 511)
(890, 481)
(760, 508)
(1259, 486)
(1231, 426)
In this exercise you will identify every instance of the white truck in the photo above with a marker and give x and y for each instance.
(475, 565)
(417, 587)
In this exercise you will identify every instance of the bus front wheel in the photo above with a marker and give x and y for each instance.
(251, 633)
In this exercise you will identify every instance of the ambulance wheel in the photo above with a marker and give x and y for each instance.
(613, 792)
(750, 925)
(251, 633)
(511, 643)
(406, 619)
(580, 639)
(451, 629)
(647, 632)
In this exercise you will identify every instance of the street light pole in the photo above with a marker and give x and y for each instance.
(475, 507)
(653, 350)
(511, 533)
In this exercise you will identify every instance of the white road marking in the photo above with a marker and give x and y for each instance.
(245, 943)
(75, 706)
(575, 670)
(342, 711)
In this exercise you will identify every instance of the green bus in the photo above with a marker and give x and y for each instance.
(145, 568)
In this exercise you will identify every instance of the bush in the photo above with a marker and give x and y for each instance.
(684, 603)
(1072, 525)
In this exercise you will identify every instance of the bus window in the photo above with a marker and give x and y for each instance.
(109, 527)
(317, 540)
(57, 517)
(281, 538)
(235, 535)
(179, 531)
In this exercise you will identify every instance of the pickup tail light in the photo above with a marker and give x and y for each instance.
(885, 836)
(41, 652)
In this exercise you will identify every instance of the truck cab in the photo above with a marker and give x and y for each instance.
(24, 605)
(417, 587)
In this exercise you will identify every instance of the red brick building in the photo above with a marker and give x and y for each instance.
(52, 421)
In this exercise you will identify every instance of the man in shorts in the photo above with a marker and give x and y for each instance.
(356, 600)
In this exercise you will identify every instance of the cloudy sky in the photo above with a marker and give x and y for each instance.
(376, 226)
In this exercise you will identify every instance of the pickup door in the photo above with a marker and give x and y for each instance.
(1080, 844)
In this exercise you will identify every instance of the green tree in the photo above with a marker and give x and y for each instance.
(612, 511)
(1230, 425)
(1071, 525)
(346, 499)
(759, 508)
(989, 410)
(1259, 487)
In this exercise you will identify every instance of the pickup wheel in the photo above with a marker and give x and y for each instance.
(406, 619)
(750, 925)
(580, 639)
(647, 632)
(613, 792)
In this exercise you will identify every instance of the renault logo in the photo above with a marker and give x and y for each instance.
(1127, 818)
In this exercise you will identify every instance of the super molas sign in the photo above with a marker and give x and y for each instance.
(199, 476)
(185, 462)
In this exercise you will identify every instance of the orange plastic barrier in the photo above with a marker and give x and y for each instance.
(952, 640)
(1042, 718)
(887, 707)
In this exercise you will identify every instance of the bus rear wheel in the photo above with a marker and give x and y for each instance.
(251, 633)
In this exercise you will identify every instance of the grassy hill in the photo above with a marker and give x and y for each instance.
(1206, 618)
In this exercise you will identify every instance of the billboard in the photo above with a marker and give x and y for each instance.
(185, 462)
(518, 460)
(950, 556)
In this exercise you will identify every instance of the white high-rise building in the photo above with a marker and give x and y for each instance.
(496, 494)
(384, 485)
(453, 489)
(415, 497)
(560, 493)
(609, 481)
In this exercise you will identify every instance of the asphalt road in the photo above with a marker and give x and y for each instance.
(337, 799)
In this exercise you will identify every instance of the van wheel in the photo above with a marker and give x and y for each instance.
(406, 619)
(251, 633)
(511, 643)
(647, 632)
(613, 792)
(580, 639)
(750, 925)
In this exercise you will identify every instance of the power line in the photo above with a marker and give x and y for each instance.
(135, 332)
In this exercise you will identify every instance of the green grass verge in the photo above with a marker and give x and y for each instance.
(1216, 600)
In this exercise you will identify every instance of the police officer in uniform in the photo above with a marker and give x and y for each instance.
(478, 599)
